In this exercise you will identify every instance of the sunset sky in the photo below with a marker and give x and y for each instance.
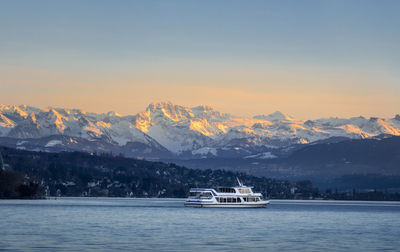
(308, 59)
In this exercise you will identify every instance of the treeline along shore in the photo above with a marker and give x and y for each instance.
(28, 174)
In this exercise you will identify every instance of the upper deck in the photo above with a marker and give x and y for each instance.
(226, 191)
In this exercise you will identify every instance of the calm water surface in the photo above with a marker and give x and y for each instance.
(110, 224)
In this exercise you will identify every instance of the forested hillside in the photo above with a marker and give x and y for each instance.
(88, 174)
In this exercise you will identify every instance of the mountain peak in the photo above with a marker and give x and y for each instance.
(277, 113)
(276, 116)
(168, 110)
(113, 114)
(203, 107)
(160, 105)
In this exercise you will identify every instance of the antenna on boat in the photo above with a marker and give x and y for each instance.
(240, 183)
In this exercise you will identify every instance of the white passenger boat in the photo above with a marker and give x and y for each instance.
(240, 196)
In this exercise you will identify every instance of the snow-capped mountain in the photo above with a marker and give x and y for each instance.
(177, 130)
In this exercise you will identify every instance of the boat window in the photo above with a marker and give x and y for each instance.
(226, 190)
(238, 200)
(234, 200)
(206, 195)
(244, 190)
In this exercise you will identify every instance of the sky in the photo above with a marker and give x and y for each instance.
(308, 59)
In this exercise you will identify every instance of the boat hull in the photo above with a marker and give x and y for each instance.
(227, 205)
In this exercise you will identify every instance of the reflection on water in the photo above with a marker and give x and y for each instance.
(111, 224)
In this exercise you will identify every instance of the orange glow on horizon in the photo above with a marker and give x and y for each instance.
(128, 95)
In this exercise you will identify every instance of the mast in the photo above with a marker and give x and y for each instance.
(240, 183)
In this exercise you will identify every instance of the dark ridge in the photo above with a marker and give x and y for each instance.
(89, 174)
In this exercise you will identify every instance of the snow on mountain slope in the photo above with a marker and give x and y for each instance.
(176, 127)
(203, 152)
(199, 130)
(265, 155)
(28, 122)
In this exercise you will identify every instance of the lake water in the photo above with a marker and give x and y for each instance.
(116, 224)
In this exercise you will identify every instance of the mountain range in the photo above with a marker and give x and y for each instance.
(165, 130)
(274, 145)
